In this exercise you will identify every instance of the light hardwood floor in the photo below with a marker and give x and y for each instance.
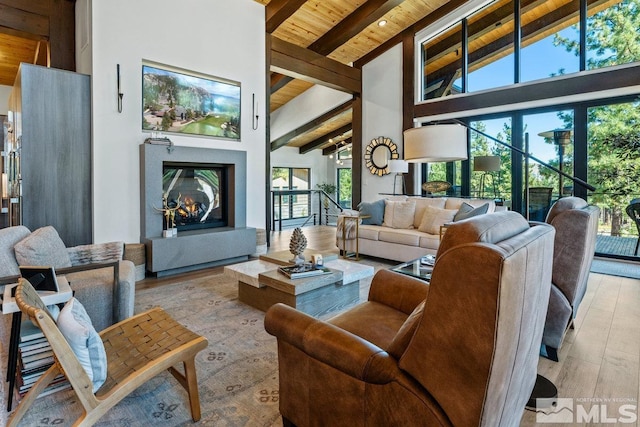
(599, 360)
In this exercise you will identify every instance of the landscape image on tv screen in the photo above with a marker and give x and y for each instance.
(182, 103)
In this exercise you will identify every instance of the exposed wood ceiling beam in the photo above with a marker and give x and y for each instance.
(311, 125)
(25, 21)
(278, 81)
(352, 25)
(333, 148)
(323, 139)
(278, 11)
(300, 63)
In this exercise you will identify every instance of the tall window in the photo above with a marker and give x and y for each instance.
(613, 167)
(491, 162)
(290, 204)
(491, 46)
(344, 187)
(442, 62)
(549, 42)
(612, 34)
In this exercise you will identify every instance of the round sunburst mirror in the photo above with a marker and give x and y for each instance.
(378, 153)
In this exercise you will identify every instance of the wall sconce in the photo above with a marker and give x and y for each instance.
(254, 113)
(120, 94)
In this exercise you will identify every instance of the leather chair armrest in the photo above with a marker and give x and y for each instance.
(397, 290)
(331, 345)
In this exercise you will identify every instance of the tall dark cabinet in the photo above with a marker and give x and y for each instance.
(51, 142)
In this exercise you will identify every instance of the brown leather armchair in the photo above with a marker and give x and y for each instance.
(576, 225)
(461, 351)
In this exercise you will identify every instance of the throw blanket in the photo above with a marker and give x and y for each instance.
(348, 225)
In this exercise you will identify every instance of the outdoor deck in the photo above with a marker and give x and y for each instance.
(613, 245)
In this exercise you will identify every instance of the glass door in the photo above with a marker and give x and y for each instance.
(614, 168)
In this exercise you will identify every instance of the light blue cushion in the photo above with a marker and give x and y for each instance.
(374, 210)
(468, 211)
(76, 326)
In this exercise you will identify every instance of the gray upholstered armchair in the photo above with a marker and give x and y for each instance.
(90, 269)
(462, 350)
(576, 225)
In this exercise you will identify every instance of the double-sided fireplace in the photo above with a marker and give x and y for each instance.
(198, 193)
(208, 189)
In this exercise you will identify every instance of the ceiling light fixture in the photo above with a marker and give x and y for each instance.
(382, 23)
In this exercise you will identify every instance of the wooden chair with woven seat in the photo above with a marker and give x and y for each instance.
(138, 349)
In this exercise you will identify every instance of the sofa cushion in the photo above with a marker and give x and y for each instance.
(433, 218)
(399, 236)
(429, 241)
(42, 247)
(422, 203)
(468, 211)
(369, 232)
(76, 327)
(399, 214)
(375, 210)
(8, 239)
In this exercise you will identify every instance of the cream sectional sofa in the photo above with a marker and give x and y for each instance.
(403, 241)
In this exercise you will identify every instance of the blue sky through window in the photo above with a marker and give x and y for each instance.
(539, 60)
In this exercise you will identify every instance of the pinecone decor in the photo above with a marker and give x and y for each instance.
(297, 245)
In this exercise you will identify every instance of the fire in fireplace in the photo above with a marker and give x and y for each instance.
(199, 192)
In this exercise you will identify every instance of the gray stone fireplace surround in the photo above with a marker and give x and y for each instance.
(193, 249)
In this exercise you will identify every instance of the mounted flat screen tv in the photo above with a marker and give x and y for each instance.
(188, 103)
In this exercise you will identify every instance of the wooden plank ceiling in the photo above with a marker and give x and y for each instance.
(343, 31)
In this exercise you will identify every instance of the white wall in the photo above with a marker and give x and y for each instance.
(305, 107)
(381, 114)
(224, 38)
(5, 91)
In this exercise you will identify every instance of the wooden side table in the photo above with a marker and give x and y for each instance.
(9, 305)
(443, 228)
(345, 253)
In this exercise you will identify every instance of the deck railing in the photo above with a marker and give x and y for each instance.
(295, 208)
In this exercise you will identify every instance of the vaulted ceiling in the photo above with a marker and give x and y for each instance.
(342, 31)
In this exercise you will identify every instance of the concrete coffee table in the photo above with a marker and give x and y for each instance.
(260, 285)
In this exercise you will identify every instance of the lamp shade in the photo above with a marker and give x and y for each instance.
(558, 136)
(435, 143)
(486, 163)
(398, 166)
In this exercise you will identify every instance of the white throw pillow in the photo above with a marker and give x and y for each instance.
(76, 326)
(433, 218)
(399, 214)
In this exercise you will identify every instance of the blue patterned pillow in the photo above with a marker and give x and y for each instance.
(374, 210)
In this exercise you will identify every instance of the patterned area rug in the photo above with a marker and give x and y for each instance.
(237, 373)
